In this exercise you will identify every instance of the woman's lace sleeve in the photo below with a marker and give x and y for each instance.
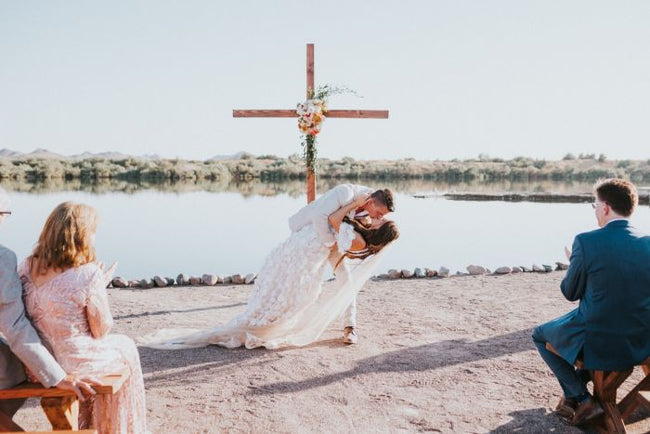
(344, 237)
(100, 319)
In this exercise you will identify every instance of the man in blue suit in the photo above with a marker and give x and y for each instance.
(609, 273)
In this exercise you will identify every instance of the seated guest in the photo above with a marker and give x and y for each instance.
(19, 342)
(609, 273)
(66, 299)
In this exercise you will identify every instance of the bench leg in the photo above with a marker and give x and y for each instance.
(605, 386)
(632, 400)
(8, 425)
(62, 412)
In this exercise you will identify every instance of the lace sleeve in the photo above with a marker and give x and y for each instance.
(100, 319)
(344, 237)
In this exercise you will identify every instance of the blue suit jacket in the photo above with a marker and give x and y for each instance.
(610, 274)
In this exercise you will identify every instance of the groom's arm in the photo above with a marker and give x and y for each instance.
(334, 199)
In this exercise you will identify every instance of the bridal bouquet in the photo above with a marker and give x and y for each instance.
(311, 114)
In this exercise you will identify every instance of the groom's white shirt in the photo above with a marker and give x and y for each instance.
(317, 212)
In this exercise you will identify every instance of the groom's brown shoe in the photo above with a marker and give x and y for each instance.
(566, 408)
(588, 410)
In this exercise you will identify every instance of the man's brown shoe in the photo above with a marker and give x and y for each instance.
(588, 410)
(566, 408)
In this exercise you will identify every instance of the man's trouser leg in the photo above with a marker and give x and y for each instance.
(350, 317)
(566, 374)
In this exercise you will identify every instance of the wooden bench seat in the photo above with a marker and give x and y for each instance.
(606, 384)
(60, 406)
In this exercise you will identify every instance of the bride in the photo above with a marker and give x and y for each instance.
(289, 305)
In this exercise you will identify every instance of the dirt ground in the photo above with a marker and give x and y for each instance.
(437, 355)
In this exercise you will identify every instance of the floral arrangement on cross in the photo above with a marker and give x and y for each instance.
(311, 114)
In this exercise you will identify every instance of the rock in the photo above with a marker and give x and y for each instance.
(503, 270)
(475, 270)
(209, 279)
(525, 269)
(488, 271)
(249, 278)
(227, 280)
(407, 274)
(538, 268)
(382, 276)
(419, 273)
(547, 268)
(221, 278)
(443, 272)
(146, 284)
(195, 281)
(134, 283)
(120, 282)
(394, 274)
(180, 279)
(170, 281)
(517, 269)
(237, 278)
(159, 281)
(430, 272)
(561, 266)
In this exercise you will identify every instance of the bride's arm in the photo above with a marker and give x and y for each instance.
(336, 218)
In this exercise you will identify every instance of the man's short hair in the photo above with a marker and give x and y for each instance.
(619, 194)
(384, 197)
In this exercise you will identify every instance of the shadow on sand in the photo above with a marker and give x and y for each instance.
(422, 358)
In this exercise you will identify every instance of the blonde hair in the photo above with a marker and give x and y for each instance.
(66, 239)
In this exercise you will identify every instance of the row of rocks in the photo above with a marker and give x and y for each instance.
(472, 270)
(238, 279)
(182, 280)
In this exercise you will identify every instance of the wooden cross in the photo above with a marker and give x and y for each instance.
(359, 114)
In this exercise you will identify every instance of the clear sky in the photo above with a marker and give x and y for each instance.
(460, 78)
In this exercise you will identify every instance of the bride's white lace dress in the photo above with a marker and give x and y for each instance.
(290, 305)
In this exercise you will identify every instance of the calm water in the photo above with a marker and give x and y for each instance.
(162, 233)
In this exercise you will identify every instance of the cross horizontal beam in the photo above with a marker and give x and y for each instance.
(357, 114)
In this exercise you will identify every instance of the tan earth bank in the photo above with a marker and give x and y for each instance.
(437, 355)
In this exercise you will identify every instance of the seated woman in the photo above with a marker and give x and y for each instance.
(66, 300)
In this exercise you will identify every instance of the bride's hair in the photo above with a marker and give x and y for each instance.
(376, 239)
(66, 239)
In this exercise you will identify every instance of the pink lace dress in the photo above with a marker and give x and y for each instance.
(72, 316)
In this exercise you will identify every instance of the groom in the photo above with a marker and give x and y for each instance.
(317, 213)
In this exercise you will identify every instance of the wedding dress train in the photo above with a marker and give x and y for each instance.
(290, 305)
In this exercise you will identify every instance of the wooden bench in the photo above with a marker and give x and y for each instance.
(606, 384)
(60, 406)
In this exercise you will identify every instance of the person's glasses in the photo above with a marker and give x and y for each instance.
(5, 212)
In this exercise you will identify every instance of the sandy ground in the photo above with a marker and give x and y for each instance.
(439, 355)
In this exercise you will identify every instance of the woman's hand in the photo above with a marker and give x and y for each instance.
(108, 272)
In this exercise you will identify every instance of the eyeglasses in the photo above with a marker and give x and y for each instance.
(5, 212)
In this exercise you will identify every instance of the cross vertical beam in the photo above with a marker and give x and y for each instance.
(311, 176)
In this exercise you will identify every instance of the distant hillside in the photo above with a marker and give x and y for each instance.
(44, 154)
